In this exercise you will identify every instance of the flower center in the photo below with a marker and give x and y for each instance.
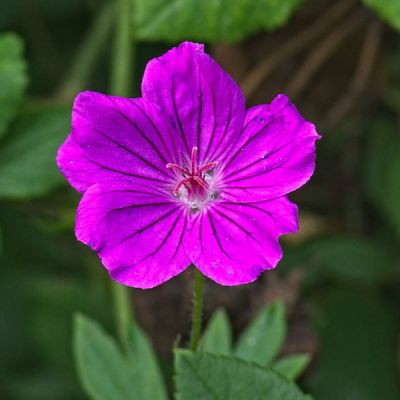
(194, 182)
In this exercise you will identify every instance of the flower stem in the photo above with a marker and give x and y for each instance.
(198, 291)
(122, 313)
(120, 86)
(121, 70)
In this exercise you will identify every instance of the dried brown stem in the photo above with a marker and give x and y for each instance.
(260, 72)
(361, 77)
(322, 51)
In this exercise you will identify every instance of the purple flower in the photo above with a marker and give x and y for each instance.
(185, 174)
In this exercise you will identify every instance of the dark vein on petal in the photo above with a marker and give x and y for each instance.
(179, 241)
(177, 114)
(121, 172)
(267, 156)
(216, 236)
(246, 143)
(163, 242)
(199, 119)
(227, 125)
(154, 127)
(131, 122)
(152, 194)
(249, 205)
(128, 150)
(232, 221)
(214, 125)
(132, 206)
(263, 172)
(144, 228)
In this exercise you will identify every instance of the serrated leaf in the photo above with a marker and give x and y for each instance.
(292, 366)
(213, 377)
(103, 371)
(352, 259)
(263, 338)
(217, 337)
(208, 20)
(13, 79)
(145, 369)
(388, 10)
(27, 155)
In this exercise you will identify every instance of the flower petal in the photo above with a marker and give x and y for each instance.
(115, 138)
(200, 99)
(236, 242)
(275, 153)
(138, 235)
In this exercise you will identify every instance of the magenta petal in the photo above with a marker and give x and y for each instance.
(236, 242)
(200, 99)
(274, 155)
(138, 235)
(115, 138)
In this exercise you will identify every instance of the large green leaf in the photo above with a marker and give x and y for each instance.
(388, 10)
(382, 169)
(102, 369)
(217, 337)
(208, 20)
(358, 341)
(213, 377)
(292, 366)
(27, 155)
(106, 374)
(144, 366)
(353, 259)
(13, 78)
(263, 338)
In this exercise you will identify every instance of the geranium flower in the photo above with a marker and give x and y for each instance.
(185, 174)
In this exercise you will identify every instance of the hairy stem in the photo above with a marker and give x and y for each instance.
(197, 313)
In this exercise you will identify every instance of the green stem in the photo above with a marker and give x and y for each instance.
(121, 72)
(88, 53)
(197, 313)
(122, 313)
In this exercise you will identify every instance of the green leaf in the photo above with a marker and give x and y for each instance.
(388, 10)
(382, 169)
(263, 338)
(353, 259)
(217, 337)
(27, 156)
(213, 377)
(13, 78)
(358, 340)
(208, 20)
(144, 365)
(103, 371)
(292, 366)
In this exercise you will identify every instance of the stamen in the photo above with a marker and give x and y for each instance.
(181, 183)
(201, 182)
(193, 158)
(206, 167)
(178, 167)
(194, 178)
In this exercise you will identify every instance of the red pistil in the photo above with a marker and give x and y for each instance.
(194, 175)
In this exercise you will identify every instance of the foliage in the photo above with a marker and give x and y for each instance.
(208, 20)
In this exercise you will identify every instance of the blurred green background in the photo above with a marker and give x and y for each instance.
(340, 277)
